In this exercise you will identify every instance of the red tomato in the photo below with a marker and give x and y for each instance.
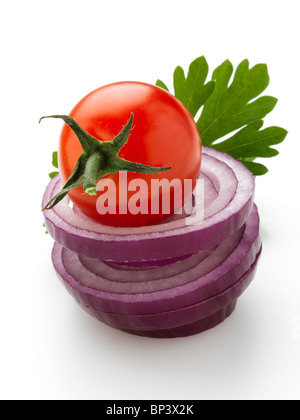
(163, 134)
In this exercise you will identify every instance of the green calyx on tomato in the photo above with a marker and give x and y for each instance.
(98, 159)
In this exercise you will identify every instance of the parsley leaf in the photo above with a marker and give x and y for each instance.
(55, 164)
(52, 174)
(230, 108)
(191, 90)
(259, 141)
(46, 232)
(55, 159)
(255, 168)
(161, 84)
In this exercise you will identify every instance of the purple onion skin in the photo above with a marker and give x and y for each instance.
(175, 318)
(193, 328)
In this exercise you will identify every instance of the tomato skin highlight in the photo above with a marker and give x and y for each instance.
(164, 133)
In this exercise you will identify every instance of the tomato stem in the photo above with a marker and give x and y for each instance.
(91, 171)
(99, 158)
(88, 143)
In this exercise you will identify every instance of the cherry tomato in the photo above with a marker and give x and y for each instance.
(163, 134)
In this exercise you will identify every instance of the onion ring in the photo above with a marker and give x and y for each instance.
(182, 284)
(225, 213)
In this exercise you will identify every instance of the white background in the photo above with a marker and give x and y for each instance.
(53, 54)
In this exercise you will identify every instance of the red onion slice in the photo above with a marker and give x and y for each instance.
(101, 276)
(175, 289)
(192, 328)
(147, 264)
(225, 213)
(185, 321)
(182, 316)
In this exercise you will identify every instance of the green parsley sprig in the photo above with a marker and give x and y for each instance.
(227, 108)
